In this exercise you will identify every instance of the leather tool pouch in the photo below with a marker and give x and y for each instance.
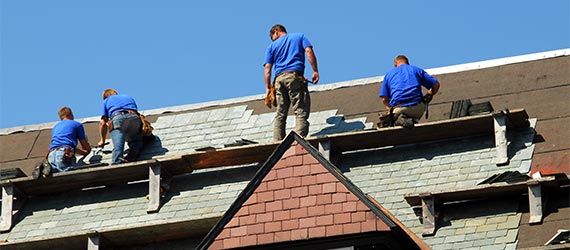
(67, 156)
(386, 119)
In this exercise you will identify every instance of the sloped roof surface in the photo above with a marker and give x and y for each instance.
(540, 85)
(186, 132)
(387, 174)
(537, 82)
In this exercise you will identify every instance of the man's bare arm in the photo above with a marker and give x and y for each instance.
(267, 76)
(313, 61)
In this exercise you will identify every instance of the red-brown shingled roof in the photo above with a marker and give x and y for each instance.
(298, 199)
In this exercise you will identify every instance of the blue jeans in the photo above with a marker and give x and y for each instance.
(126, 128)
(55, 160)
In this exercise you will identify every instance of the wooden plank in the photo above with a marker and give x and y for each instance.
(439, 130)
(480, 191)
(83, 178)
(7, 207)
(120, 236)
(231, 156)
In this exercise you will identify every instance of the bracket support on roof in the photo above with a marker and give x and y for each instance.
(327, 150)
(159, 180)
(153, 188)
(428, 213)
(500, 124)
(430, 202)
(534, 202)
(7, 207)
(93, 242)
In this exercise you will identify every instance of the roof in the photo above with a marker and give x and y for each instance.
(299, 195)
(539, 83)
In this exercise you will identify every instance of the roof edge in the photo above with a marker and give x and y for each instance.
(315, 88)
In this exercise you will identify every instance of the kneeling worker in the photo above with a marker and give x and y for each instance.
(401, 91)
(63, 147)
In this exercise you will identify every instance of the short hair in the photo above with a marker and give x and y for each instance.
(108, 92)
(277, 27)
(402, 58)
(64, 112)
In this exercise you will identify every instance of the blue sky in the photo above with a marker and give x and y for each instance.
(167, 53)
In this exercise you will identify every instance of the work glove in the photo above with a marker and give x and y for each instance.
(270, 100)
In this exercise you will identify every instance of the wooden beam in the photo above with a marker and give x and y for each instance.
(500, 138)
(429, 201)
(481, 191)
(7, 207)
(153, 231)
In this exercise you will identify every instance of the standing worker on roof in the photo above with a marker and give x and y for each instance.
(401, 91)
(64, 137)
(287, 55)
(120, 118)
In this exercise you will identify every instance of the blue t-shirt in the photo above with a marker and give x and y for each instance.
(403, 85)
(287, 53)
(115, 103)
(66, 133)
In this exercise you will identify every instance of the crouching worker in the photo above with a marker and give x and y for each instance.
(63, 147)
(121, 119)
(401, 92)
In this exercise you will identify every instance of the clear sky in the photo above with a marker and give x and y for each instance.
(168, 53)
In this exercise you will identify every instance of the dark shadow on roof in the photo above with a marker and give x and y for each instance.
(339, 125)
(152, 148)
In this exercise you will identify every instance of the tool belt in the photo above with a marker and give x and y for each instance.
(68, 154)
(122, 112)
(297, 74)
(128, 111)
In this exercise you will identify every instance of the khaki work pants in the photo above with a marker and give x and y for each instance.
(414, 112)
(291, 90)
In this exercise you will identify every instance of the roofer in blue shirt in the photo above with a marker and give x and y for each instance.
(287, 55)
(401, 91)
(120, 118)
(63, 147)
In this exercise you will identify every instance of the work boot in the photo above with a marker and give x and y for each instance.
(46, 169)
(38, 171)
(405, 121)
